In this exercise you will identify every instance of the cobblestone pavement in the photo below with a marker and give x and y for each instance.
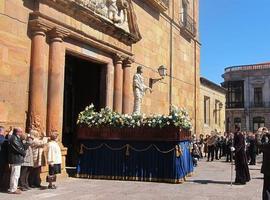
(211, 181)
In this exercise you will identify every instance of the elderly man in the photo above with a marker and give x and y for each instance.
(16, 156)
(139, 89)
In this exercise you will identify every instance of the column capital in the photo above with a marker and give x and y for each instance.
(128, 62)
(37, 27)
(118, 58)
(56, 34)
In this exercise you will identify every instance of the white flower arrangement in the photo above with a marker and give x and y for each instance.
(107, 118)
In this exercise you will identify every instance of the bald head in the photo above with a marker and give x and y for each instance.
(18, 131)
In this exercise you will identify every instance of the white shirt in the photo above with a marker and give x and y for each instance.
(54, 153)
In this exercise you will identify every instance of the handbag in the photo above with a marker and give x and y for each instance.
(51, 178)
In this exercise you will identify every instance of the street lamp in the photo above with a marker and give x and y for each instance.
(162, 70)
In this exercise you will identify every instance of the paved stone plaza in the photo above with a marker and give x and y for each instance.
(210, 182)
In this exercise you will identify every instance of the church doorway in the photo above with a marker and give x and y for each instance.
(84, 85)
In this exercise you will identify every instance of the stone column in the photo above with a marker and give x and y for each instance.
(127, 86)
(118, 83)
(109, 84)
(56, 82)
(38, 80)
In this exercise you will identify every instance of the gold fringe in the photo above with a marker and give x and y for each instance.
(129, 178)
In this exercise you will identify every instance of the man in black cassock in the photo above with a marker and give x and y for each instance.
(265, 148)
(241, 165)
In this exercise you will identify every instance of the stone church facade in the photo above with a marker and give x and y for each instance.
(57, 56)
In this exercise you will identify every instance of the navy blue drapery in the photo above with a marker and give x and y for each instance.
(131, 160)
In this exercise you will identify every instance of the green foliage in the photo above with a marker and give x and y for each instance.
(107, 118)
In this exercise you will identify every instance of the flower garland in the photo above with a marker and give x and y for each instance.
(107, 118)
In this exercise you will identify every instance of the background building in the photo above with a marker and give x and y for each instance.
(248, 96)
(58, 56)
(212, 115)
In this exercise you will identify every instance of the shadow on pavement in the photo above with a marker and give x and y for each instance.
(254, 169)
(210, 182)
(260, 178)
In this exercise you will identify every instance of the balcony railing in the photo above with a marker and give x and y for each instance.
(166, 2)
(188, 24)
(251, 105)
(161, 5)
(259, 105)
(248, 67)
(235, 105)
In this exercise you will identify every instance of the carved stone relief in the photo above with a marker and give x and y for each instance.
(113, 17)
(113, 10)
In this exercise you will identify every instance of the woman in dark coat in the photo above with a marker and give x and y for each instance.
(241, 164)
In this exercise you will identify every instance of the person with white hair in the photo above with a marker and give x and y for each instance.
(38, 158)
(54, 159)
(27, 163)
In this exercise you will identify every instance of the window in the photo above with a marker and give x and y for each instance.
(206, 110)
(257, 123)
(237, 122)
(184, 9)
(235, 94)
(217, 112)
(258, 97)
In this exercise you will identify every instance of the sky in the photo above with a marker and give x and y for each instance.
(233, 32)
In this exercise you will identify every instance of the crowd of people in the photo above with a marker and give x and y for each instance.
(22, 156)
(216, 146)
(242, 147)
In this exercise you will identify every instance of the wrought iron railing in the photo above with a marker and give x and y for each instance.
(235, 105)
(250, 105)
(259, 105)
(166, 2)
(188, 23)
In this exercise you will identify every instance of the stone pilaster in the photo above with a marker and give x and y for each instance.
(118, 83)
(56, 82)
(38, 80)
(127, 86)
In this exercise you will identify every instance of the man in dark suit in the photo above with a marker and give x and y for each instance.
(265, 148)
(16, 154)
(252, 149)
(3, 156)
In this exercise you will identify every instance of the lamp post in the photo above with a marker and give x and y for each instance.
(162, 70)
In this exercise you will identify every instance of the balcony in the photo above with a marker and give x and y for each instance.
(259, 105)
(234, 105)
(188, 25)
(261, 66)
(160, 5)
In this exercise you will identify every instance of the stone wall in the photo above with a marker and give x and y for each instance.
(214, 96)
(162, 43)
(15, 50)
